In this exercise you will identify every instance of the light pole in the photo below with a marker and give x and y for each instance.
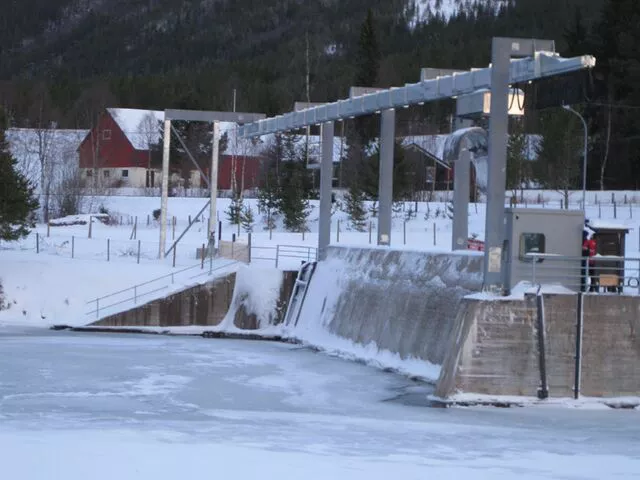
(584, 155)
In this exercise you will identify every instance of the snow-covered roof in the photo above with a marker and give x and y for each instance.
(141, 127)
(606, 225)
(144, 127)
(434, 144)
(57, 148)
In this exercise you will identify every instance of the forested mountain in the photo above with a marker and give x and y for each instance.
(195, 52)
(64, 60)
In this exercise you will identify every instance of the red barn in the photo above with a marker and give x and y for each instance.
(116, 153)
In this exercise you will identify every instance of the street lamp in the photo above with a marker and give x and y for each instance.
(584, 158)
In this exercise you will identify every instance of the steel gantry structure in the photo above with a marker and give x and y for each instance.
(195, 116)
(537, 60)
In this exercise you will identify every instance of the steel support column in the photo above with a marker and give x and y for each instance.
(326, 180)
(461, 178)
(385, 181)
(501, 50)
(213, 187)
(165, 188)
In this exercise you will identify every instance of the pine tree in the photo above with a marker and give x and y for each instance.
(247, 219)
(402, 177)
(616, 39)
(293, 202)
(367, 64)
(558, 164)
(235, 210)
(517, 161)
(368, 57)
(269, 199)
(17, 200)
(354, 206)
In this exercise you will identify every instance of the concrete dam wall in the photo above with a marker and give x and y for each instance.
(402, 302)
(494, 347)
(248, 299)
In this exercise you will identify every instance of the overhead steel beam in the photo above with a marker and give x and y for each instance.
(541, 64)
(207, 116)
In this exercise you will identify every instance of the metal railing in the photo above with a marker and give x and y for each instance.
(150, 287)
(598, 274)
(282, 252)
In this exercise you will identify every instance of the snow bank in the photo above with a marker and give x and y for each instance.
(45, 290)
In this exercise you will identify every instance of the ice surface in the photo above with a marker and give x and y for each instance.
(102, 406)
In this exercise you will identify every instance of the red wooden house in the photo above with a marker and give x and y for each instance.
(117, 153)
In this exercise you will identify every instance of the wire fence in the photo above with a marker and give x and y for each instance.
(106, 249)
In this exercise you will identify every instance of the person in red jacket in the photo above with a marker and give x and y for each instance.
(589, 249)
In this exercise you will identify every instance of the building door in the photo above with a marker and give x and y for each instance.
(151, 177)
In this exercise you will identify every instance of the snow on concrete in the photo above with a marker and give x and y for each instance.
(520, 290)
(257, 290)
(588, 403)
(331, 281)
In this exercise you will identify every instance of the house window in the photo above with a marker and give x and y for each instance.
(125, 173)
(531, 243)
(106, 173)
(106, 134)
(89, 173)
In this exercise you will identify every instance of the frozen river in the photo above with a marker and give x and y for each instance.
(105, 406)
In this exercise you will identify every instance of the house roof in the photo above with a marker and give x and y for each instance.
(145, 127)
(141, 127)
(431, 144)
(435, 144)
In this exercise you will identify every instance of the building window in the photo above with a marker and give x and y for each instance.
(89, 173)
(106, 134)
(125, 173)
(531, 243)
(106, 173)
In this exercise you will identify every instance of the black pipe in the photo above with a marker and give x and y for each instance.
(579, 323)
(543, 391)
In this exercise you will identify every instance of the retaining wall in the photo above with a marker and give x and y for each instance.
(209, 304)
(494, 349)
(400, 301)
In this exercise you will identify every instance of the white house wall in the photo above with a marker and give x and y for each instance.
(135, 177)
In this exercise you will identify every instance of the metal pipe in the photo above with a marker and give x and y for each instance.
(579, 326)
(584, 154)
(165, 188)
(326, 178)
(543, 391)
(213, 186)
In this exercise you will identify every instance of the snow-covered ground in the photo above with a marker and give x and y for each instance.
(102, 406)
(52, 287)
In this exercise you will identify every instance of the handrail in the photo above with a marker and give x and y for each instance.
(172, 275)
(608, 272)
(303, 252)
(137, 295)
